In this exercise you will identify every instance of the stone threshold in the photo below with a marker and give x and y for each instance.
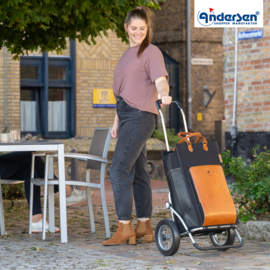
(255, 230)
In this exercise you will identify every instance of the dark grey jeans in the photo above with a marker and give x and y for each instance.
(128, 171)
(17, 166)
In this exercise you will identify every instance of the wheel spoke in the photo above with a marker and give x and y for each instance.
(165, 237)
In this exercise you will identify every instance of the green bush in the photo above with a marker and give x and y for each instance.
(12, 192)
(172, 138)
(251, 189)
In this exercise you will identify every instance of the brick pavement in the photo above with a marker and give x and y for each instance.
(85, 251)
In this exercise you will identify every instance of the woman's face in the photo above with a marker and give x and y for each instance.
(137, 30)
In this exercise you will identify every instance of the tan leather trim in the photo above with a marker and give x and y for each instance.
(213, 194)
(220, 158)
(205, 147)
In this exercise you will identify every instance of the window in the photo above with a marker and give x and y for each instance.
(48, 99)
(31, 84)
(30, 110)
(57, 109)
(57, 73)
(29, 72)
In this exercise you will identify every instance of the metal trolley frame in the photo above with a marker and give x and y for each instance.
(167, 234)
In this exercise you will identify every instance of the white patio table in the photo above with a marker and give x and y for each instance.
(55, 146)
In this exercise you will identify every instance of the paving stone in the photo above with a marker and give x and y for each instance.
(85, 251)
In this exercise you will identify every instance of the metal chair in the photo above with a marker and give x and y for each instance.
(96, 159)
(2, 219)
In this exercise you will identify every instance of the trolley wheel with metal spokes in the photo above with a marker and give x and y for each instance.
(167, 237)
(224, 238)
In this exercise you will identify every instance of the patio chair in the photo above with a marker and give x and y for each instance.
(2, 219)
(96, 159)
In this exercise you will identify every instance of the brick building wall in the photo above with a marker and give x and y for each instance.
(9, 91)
(65, 52)
(94, 69)
(170, 36)
(253, 87)
(95, 65)
(253, 78)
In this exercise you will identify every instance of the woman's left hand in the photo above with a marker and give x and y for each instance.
(166, 100)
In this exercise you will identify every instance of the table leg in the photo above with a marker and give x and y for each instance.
(51, 197)
(62, 193)
(3, 231)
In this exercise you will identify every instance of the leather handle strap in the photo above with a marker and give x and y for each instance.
(189, 135)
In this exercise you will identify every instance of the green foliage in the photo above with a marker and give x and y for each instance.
(251, 189)
(5, 130)
(172, 138)
(13, 192)
(26, 25)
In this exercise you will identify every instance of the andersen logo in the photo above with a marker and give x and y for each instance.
(210, 18)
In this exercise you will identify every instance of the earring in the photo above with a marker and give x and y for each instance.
(127, 35)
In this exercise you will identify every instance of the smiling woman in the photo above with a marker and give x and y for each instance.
(138, 78)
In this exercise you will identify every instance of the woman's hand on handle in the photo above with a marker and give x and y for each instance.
(114, 130)
(163, 89)
(166, 100)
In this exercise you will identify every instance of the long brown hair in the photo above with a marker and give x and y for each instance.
(145, 14)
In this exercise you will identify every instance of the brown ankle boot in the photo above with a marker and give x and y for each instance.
(124, 233)
(144, 229)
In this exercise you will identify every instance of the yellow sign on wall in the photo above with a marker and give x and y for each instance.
(103, 98)
(199, 116)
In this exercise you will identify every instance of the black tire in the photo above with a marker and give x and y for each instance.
(167, 237)
(222, 239)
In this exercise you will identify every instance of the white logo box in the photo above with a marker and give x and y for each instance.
(229, 13)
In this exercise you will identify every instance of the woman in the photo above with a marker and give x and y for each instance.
(138, 78)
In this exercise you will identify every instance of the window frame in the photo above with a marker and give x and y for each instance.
(32, 61)
(43, 83)
(65, 84)
(60, 62)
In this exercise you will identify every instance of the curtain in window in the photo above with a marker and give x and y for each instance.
(28, 116)
(57, 116)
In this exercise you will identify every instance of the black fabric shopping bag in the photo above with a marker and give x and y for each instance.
(197, 183)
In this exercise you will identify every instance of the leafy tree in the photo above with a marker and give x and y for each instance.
(26, 25)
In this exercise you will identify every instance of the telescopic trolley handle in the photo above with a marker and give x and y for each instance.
(178, 104)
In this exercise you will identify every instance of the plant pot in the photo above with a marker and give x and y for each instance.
(5, 137)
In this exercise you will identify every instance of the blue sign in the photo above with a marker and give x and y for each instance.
(103, 105)
(250, 34)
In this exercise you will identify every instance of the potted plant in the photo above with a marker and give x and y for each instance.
(5, 135)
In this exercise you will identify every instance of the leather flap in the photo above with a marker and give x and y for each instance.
(213, 194)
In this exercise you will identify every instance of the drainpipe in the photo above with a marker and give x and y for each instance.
(234, 127)
(188, 43)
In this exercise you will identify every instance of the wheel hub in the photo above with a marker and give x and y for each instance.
(165, 237)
